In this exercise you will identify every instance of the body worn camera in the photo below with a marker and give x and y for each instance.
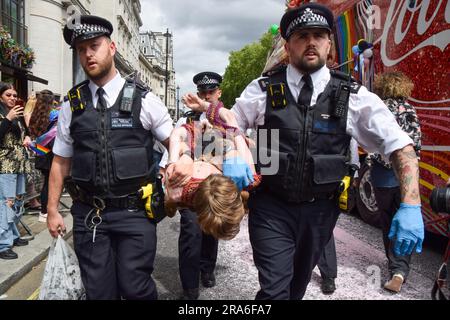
(75, 99)
(277, 95)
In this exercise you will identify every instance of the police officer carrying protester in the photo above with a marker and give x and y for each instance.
(314, 112)
(197, 250)
(104, 140)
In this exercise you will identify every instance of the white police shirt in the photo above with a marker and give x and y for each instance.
(369, 121)
(154, 116)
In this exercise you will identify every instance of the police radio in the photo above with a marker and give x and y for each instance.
(127, 98)
(341, 100)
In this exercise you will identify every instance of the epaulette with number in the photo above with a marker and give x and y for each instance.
(354, 85)
(274, 71)
(75, 97)
(143, 88)
(264, 83)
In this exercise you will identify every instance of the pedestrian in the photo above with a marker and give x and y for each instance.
(104, 140)
(43, 120)
(13, 167)
(293, 213)
(394, 88)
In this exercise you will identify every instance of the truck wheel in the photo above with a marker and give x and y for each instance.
(365, 198)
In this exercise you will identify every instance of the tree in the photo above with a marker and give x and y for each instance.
(244, 66)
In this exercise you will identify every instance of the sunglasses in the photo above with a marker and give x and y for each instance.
(10, 94)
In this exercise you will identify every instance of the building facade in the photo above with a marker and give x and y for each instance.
(125, 16)
(14, 42)
(55, 61)
(153, 46)
(40, 24)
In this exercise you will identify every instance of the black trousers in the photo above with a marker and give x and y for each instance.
(120, 262)
(388, 201)
(197, 251)
(328, 261)
(44, 191)
(287, 241)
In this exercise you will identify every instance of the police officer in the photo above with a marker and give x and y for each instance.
(310, 114)
(197, 250)
(104, 141)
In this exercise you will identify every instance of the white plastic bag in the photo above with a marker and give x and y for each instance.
(62, 278)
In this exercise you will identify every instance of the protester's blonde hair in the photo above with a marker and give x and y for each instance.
(395, 85)
(219, 207)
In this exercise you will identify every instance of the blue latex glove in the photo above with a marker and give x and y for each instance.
(239, 171)
(407, 227)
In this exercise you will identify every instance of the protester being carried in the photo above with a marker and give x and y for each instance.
(217, 200)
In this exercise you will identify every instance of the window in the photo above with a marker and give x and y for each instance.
(13, 18)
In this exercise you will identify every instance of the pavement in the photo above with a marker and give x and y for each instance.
(40, 241)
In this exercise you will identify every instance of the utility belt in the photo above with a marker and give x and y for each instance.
(150, 198)
(319, 196)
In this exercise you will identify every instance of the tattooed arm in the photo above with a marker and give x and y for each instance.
(406, 167)
(407, 225)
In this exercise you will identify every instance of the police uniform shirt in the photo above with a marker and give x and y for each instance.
(154, 116)
(369, 121)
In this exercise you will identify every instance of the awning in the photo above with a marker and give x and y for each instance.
(20, 73)
(31, 77)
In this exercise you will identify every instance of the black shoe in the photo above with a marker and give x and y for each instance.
(328, 286)
(208, 279)
(8, 255)
(20, 242)
(190, 294)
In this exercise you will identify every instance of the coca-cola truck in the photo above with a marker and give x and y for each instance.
(411, 36)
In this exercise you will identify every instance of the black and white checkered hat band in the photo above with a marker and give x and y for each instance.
(308, 17)
(81, 29)
(206, 81)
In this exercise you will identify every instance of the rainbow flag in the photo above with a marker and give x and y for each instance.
(40, 149)
(347, 37)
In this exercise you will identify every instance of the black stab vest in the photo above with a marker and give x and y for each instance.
(112, 151)
(313, 146)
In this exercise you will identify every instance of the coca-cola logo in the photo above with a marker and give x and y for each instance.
(402, 37)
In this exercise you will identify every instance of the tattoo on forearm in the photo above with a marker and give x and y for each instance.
(406, 167)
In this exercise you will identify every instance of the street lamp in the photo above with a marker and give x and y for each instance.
(167, 35)
(178, 102)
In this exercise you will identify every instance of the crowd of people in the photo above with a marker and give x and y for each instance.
(23, 161)
(105, 146)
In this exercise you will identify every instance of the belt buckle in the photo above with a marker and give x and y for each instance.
(132, 203)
